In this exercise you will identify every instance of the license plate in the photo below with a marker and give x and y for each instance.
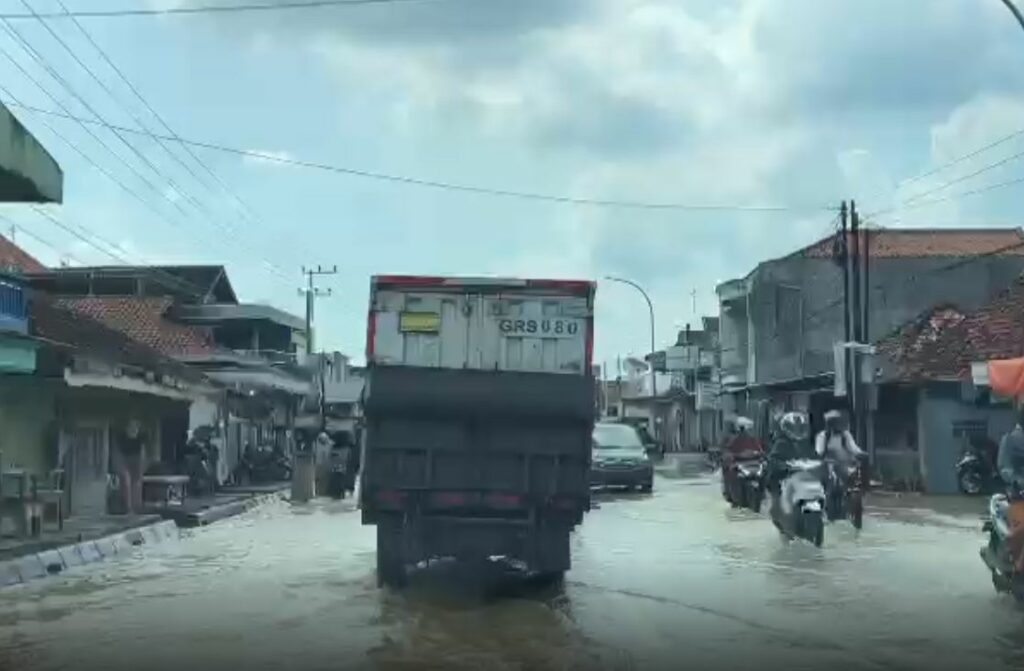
(540, 328)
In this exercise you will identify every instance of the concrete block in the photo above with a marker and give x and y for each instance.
(89, 552)
(30, 567)
(53, 561)
(9, 574)
(69, 554)
(107, 547)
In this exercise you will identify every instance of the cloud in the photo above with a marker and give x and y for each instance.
(706, 101)
(266, 157)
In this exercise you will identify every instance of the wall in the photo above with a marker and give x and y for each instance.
(733, 340)
(27, 423)
(940, 408)
(909, 287)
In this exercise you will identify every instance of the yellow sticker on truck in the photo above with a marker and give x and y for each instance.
(419, 322)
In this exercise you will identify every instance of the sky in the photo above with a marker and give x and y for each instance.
(794, 105)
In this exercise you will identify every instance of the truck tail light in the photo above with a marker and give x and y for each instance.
(501, 500)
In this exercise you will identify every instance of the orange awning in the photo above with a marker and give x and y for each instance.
(1006, 377)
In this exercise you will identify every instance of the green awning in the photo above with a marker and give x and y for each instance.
(17, 355)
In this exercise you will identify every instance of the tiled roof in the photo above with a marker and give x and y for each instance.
(64, 327)
(944, 342)
(13, 256)
(919, 242)
(143, 319)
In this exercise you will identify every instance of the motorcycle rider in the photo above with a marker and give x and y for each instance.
(741, 443)
(835, 443)
(790, 443)
(1011, 469)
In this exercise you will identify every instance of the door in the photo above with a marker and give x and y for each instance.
(89, 457)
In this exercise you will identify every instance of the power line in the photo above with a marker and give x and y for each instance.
(156, 171)
(207, 9)
(450, 186)
(120, 255)
(61, 254)
(964, 157)
(245, 208)
(956, 196)
(964, 178)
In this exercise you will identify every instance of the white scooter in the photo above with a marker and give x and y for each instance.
(798, 511)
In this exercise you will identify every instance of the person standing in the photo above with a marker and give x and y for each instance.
(130, 448)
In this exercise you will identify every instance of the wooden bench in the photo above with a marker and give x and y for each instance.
(163, 489)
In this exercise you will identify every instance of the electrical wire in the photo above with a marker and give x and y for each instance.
(245, 208)
(960, 159)
(450, 186)
(141, 156)
(964, 178)
(208, 9)
(61, 254)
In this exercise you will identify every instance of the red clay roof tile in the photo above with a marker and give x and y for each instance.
(142, 318)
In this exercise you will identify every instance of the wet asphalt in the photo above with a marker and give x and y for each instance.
(675, 579)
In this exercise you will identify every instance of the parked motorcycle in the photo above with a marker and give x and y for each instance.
(1005, 512)
(263, 464)
(798, 511)
(976, 472)
(199, 463)
(845, 501)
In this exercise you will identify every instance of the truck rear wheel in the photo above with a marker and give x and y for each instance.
(390, 557)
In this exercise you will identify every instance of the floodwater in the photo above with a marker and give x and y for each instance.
(671, 580)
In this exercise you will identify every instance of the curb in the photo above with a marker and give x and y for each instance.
(223, 511)
(54, 562)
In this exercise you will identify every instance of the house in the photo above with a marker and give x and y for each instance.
(71, 384)
(778, 324)
(928, 405)
(253, 352)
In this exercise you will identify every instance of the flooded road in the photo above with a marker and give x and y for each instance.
(670, 580)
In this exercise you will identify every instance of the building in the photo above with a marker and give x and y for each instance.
(778, 324)
(929, 406)
(254, 353)
(72, 384)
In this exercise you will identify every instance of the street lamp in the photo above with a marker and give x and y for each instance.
(1016, 12)
(650, 307)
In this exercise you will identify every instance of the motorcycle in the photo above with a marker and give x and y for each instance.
(976, 472)
(264, 464)
(845, 501)
(339, 482)
(200, 465)
(748, 481)
(1005, 512)
(798, 510)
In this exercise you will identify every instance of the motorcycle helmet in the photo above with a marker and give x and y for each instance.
(794, 425)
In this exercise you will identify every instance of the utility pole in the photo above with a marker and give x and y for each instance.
(844, 258)
(855, 276)
(313, 292)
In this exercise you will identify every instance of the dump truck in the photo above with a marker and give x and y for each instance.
(478, 410)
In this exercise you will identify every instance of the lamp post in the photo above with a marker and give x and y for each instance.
(650, 308)
(1016, 11)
